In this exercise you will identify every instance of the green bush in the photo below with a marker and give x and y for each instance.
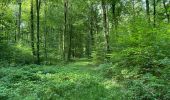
(148, 87)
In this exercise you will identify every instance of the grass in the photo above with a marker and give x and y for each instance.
(75, 81)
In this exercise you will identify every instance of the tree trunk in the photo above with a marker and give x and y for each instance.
(70, 36)
(108, 26)
(90, 37)
(16, 30)
(65, 35)
(148, 10)
(154, 13)
(105, 26)
(32, 28)
(70, 42)
(45, 31)
(114, 13)
(38, 30)
(19, 19)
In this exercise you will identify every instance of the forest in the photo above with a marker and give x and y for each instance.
(84, 49)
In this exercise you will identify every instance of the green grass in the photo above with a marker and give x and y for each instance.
(75, 81)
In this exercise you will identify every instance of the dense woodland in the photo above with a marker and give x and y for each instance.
(84, 49)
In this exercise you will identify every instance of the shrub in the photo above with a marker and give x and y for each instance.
(148, 87)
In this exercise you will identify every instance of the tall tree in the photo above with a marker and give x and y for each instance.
(19, 18)
(32, 28)
(105, 26)
(148, 10)
(45, 30)
(113, 8)
(154, 13)
(38, 2)
(65, 35)
(90, 36)
(70, 34)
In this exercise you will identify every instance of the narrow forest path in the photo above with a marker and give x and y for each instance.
(80, 80)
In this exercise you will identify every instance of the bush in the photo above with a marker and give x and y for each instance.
(15, 54)
(148, 87)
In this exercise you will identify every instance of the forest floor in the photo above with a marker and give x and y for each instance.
(81, 80)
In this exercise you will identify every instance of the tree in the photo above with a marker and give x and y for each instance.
(45, 31)
(91, 26)
(38, 3)
(105, 26)
(70, 34)
(71, 29)
(148, 10)
(32, 28)
(19, 18)
(65, 35)
(154, 13)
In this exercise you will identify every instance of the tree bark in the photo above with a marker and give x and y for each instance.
(154, 13)
(105, 27)
(70, 42)
(65, 35)
(90, 37)
(16, 30)
(148, 10)
(38, 30)
(32, 28)
(70, 36)
(113, 10)
(19, 19)
(45, 32)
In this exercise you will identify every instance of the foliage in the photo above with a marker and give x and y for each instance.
(148, 87)
(124, 45)
(73, 81)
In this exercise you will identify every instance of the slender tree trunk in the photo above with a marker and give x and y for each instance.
(19, 19)
(154, 13)
(70, 42)
(105, 25)
(16, 30)
(38, 30)
(32, 28)
(70, 35)
(166, 11)
(108, 26)
(115, 20)
(45, 31)
(65, 35)
(89, 40)
(114, 12)
(148, 10)
(97, 39)
(90, 37)
(61, 44)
